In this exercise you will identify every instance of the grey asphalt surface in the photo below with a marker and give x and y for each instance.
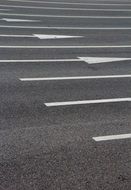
(44, 148)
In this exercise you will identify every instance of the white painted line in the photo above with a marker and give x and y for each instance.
(65, 47)
(68, 3)
(18, 20)
(66, 16)
(38, 60)
(100, 101)
(41, 60)
(66, 8)
(40, 36)
(95, 60)
(66, 28)
(17, 36)
(112, 137)
(76, 78)
(44, 36)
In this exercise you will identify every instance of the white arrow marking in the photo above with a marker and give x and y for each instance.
(18, 20)
(112, 137)
(43, 36)
(94, 60)
(100, 101)
(76, 78)
(45, 61)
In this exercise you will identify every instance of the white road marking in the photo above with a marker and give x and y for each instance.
(68, 3)
(95, 60)
(40, 36)
(18, 20)
(66, 16)
(41, 60)
(17, 36)
(66, 28)
(65, 47)
(75, 78)
(44, 36)
(38, 60)
(112, 137)
(82, 102)
(66, 8)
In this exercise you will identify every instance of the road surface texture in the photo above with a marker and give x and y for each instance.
(65, 95)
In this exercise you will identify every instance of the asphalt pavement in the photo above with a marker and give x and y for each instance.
(65, 95)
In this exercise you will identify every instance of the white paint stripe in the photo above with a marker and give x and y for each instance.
(66, 28)
(100, 101)
(75, 78)
(18, 20)
(40, 36)
(112, 137)
(17, 36)
(96, 60)
(66, 8)
(65, 47)
(38, 60)
(44, 36)
(68, 3)
(66, 16)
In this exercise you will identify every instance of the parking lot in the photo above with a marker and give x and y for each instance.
(65, 95)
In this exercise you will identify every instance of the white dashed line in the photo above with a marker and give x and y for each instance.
(44, 36)
(38, 60)
(112, 137)
(75, 78)
(82, 102)
(18, 20)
